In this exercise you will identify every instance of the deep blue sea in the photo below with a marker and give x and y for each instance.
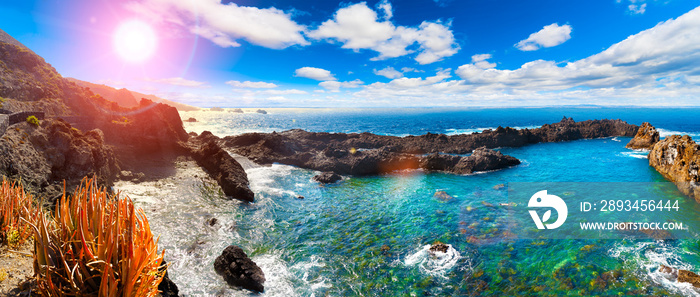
(369, 236)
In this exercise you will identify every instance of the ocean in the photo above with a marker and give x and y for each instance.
(369, 236)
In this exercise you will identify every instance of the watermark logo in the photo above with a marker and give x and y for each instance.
(542, 199)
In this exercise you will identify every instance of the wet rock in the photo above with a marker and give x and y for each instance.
(645, 138)
(439, 247)
(261, 111)
(300, 197)
(212, 221)
(677, 158)
(167, 287)
(370, 154)
(239, 270)
(686, 276)
(443, 196)
(668, 270)
(220, 166)
(190, 120)
(327, 178)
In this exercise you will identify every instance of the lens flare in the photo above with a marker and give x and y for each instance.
(135, 41)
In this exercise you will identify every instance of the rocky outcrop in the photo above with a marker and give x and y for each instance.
(645, 138)
(686, 276)
(44, 156)
(239, 270)
(482, 159)
(677, 158)
(167, 287)
(300, 141)
(439, 247)
(220, 166)
(150, 127)
(327, 178)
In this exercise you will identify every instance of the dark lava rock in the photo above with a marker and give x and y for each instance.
(677, 158)
(327, 178)
(167, 287)
(46, 155)
(645, 138)
(439, 247)
(370, 154)
(220, 166)
(212, 221)
(482, 159)
(190, 120)
(689, 277)
(239, 270)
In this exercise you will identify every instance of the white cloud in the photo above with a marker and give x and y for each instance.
(637, 8)
(179, 81)
(334, 86)
(480, 61)
(314, 73)
(385, 6)
(251, 84)
(388, 72)
(549, 36)
(670, 49)
(283, 92)
(358, 27)
(225, 24)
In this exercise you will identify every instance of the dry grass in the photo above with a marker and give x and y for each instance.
(96, 245)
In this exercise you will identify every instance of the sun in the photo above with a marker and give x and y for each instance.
(135, 41)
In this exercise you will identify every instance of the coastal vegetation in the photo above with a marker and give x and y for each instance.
(95, 244)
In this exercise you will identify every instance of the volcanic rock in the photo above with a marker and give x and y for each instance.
(327, 178)
(689, 277)
(239, 270)
(370, 154)
(646, 137)
(167, 287)
(482, 159)
(46, 155)
(677, 158)
(220, 166)
(439, 247)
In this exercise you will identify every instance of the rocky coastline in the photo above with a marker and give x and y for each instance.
(676, 158)
(371, 154)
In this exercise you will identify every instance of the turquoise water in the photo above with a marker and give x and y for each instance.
(369, 236)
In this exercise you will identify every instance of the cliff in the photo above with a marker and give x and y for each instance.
(127, 98)
(44, 156)
(677, 158)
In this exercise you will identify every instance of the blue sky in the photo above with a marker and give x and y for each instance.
(378, 53)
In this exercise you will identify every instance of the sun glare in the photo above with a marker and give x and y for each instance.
(134, 41)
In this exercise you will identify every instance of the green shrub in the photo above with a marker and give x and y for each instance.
(33, 120)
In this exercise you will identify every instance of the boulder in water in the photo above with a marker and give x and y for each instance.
(645, 138)
(239, 270)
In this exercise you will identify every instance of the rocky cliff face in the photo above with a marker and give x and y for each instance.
(150, 127)
(44, 156)
(645, 138)
(677, 158)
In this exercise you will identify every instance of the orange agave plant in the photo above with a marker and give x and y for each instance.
(96, 245)
(16, 209)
